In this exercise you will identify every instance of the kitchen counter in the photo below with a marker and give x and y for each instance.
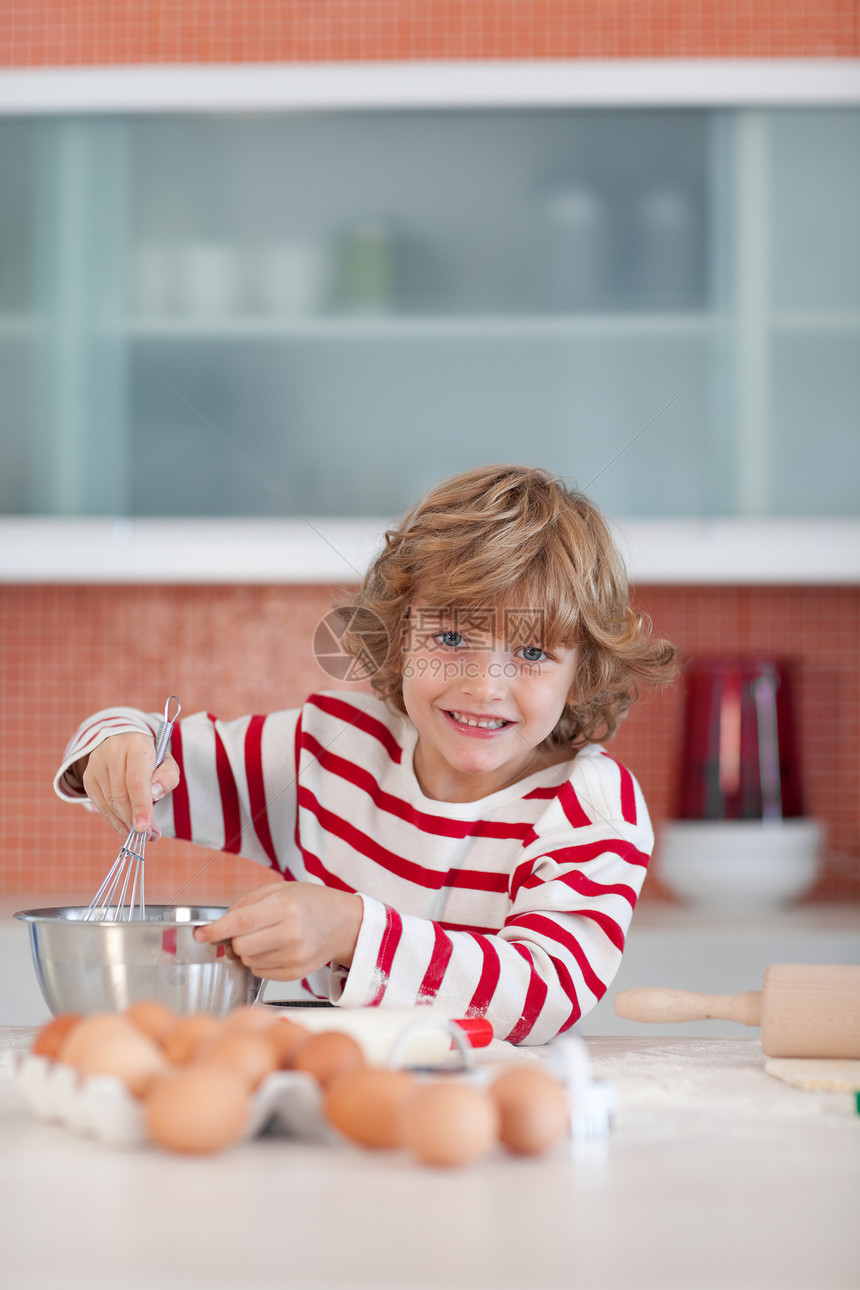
(714, 1175)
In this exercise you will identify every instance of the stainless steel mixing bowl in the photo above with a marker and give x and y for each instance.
(91, 967)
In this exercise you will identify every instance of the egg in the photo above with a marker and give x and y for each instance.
(245, 1051)
(533, 1109)
(89, 1031)
(187, 1034)
(129, 1055)
(366, 1105)
(198, 1109)
(450, 1123)
(328, 1056)
(53, 1034)
(286, 1038)
(251, 1016)
(153, 1018)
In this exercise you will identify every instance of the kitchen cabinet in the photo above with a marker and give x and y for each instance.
(321, 311)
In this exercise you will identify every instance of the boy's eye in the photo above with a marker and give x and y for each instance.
(532, 654)
(452, 639)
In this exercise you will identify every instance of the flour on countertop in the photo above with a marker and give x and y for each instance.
(707, 1087)
(16, 1040)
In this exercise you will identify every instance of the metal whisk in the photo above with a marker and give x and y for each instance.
(114, 902)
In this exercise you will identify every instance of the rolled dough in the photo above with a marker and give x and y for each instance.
(819, 1074)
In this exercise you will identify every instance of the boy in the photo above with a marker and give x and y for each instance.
(460, 836)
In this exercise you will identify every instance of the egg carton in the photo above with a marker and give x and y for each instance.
(101, 1106)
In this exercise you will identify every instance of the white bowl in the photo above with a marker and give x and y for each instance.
(739, 866)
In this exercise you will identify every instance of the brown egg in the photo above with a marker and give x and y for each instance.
(328, 1056)
(130, 1055)
(252, 1016)
(367, 1104)
(89, 1031)
(286, 1038)
(244, 1051)
(52, 1036)
(198, 1109)
(450, 1123)
(153, 1018)
(187, 1034)
(533, 1109)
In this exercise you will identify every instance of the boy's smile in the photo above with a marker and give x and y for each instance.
(481, 708)
(476, 722)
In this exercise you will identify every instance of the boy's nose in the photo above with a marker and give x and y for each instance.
(485, 679)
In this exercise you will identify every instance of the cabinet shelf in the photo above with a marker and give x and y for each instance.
(402, 326)
(838, 321)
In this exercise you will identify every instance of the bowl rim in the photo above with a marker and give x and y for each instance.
(58, 915)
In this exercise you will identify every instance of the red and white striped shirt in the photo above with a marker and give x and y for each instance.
(514, 907)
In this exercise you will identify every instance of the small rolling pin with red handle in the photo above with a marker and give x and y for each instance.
(803, 1011)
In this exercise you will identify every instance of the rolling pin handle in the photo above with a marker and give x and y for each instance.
(684, 1005)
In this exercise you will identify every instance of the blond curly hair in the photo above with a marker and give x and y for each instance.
(514, 536)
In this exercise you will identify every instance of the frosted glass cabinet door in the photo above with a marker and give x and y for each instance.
(815, 302)
(81, 231)
(375, 301)
(211, 316)
(18, 378)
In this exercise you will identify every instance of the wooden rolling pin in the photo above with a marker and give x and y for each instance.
(803, 1011)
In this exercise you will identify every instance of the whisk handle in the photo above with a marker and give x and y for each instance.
(165, 730)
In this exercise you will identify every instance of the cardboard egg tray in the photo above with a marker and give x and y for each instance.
(102, 1107)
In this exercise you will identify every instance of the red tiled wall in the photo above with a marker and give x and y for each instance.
(68, 651)
(76, 32)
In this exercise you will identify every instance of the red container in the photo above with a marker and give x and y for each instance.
(740, 755)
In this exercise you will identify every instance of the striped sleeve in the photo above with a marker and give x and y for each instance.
(572, 896)
(88, 736)
(237, 788)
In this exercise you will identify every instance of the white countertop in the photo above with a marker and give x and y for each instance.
(714, 1175)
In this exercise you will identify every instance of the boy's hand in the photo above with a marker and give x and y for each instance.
(286, 930)
(118, 779)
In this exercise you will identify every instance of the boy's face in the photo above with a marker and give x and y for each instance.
(483, 694)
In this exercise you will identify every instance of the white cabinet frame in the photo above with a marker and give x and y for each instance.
(539, 83)
(708, 551)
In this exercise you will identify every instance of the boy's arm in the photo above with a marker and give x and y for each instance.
(236, 789)
(572, 898)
